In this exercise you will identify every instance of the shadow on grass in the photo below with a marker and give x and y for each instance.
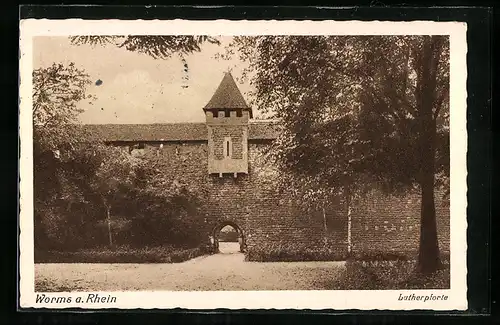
(44, 285)
(389, 275)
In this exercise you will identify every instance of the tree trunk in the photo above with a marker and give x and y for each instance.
(108, 218)
(428, 258)
(428, 255)
(349, 211)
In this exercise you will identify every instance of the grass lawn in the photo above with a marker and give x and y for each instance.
(390, 275)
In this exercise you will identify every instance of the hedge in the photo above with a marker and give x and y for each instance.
(292, 252)
(122, 254)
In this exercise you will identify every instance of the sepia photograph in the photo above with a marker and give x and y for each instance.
(210, 163)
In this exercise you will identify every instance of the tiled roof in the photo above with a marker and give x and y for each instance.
(261, 130)
(169, 132)
(227, 95)
(146, 132)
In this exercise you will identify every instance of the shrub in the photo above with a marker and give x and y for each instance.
(230, 236)
(292, 252)
(122, 254)
(160, 231)
(389, 275)
(382, 256)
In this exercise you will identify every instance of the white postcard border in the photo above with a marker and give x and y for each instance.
(314, 300)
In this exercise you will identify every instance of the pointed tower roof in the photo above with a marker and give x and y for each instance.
(227, 96)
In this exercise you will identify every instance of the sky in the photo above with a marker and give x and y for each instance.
(135, 87)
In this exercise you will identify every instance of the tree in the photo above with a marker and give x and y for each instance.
(413, 99)
(56, 91)
(74, 172)
(167, 206)
(112, 179)
(358, 110)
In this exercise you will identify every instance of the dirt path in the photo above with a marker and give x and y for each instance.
(225, 271)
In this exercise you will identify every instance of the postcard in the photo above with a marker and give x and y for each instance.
(243, 164)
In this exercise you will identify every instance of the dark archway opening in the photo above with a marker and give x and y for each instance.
(228, 238)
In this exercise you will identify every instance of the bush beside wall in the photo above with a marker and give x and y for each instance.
(389, 275)
(293, 252)
(123, 254)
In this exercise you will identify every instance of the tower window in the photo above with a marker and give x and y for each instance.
(227, 113)
(227, 151)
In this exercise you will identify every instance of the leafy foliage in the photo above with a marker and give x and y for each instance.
(56, 91)
(349, 103)
(156, 46)
(356, 111)
(389, 275)
(82, 185)
(145, 208)
(292, 252)
(122, 254)
(167, 209)
(228, 234)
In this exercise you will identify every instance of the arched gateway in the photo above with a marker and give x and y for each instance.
(216, 235)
